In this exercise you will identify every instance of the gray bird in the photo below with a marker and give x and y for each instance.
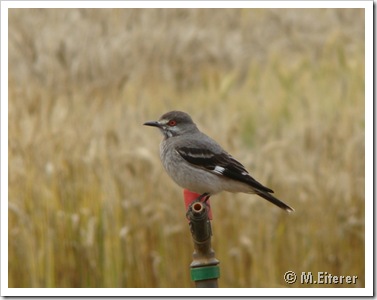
(198, 163)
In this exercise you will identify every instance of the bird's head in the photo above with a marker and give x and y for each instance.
(174, 123)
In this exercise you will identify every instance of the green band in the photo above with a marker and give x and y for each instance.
(203, 273)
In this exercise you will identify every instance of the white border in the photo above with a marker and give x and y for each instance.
(367, 291)
(4, 148)
(369, 130)
(186, 4)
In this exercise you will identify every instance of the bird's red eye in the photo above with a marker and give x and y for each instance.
(172, 123)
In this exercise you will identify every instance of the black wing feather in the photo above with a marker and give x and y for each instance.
(209, 160)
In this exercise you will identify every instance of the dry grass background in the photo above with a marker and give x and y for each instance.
(89, 202)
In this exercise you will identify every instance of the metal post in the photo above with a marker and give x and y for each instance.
(204, 267)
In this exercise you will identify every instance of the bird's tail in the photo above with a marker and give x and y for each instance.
(274, 200)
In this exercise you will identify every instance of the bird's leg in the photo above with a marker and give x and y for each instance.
(203, 197)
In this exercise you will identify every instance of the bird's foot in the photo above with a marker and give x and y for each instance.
(203, 200)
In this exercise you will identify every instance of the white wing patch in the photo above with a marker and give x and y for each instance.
(219, 170)
(198, 154)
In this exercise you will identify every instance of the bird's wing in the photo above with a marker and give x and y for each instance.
(222, 164)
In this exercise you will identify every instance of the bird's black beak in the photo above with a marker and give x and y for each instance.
(153, 123)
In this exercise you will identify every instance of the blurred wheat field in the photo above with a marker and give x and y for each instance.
(89, 202)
